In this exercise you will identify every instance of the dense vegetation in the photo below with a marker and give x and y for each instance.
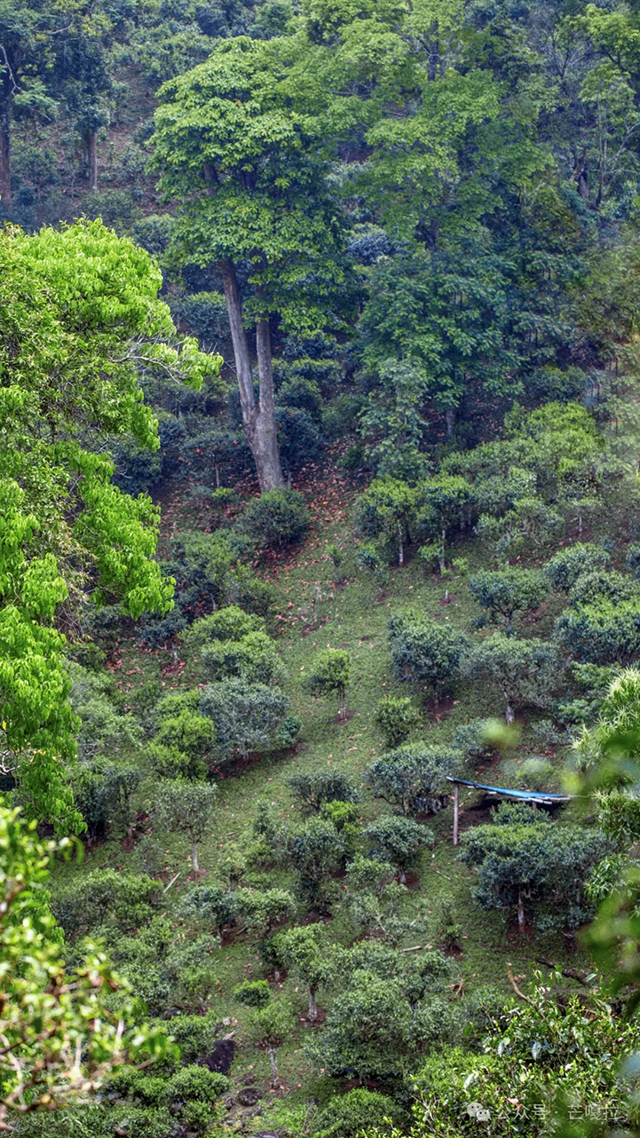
(318, 487)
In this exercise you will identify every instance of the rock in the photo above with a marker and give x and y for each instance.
(248, 1096)
(228, 1102)
(248, 1080)
(267, 1134)
(221, 1058)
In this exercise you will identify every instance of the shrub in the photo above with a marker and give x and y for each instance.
(253, 993)
(413, 777)
(567, 565)
(211, 904)
(425, 652)
(275, 519)
(185, 807)
(473, 741)
(124, 899)
(229, 623)
(532, 865)
(314, 790)
(508, 591)
(360, 1110)
(253, 658)
(386, 510)
(197, 1083)
(602, 583)
(396, 717)
(299, 440)
(314, 851)
(397, 841)
(247, 717)
(329, 672)
(603, 632)
(525, 671)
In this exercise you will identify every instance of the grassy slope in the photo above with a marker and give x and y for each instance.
(353, 616)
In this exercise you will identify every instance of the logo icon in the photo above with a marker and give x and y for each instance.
(478, 1111)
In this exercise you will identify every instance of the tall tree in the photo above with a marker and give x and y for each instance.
(79, 318)
(238, 142)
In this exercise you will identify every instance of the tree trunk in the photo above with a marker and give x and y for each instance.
(273, 1060)
(312, 1014)
(509, 715)
(343, 703)
(521, 921)
(5, 145)
(400, 546)
(194, 857)
(450, 418)
(266, 436)
(402, 877)
(92, 156)
(258, 418)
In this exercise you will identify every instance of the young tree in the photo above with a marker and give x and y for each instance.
(396, 840)
(387, 511)
(238, 145)
(61, 1035)
(603, 632)
(528, 863)
(272, 1026)
(505, 592)
(424, 651)
(564, 568)
(306, 961)
(396, 716)
(330, 673)
(247, 717)
(186, 808)
(525, 671)
(66, 528)
(413, 777)
(314, 851)
(314, 790)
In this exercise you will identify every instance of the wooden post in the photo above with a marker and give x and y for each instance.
(455, 815)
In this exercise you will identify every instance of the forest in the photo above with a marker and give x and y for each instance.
(319, 568)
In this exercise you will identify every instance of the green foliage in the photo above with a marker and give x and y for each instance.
(566, 566)
(185, 806)
(246, 717)
(276, 519)
(346, 1116)
(229, 623)
(211, 904)
(524, 671)
(253, 993)
(396, 840)
(315, 790)
(396, 717)
(329, 672)
(413, 777)
(314, 851)
(424, 651)
(507, 592)
(61, 1033)
(387, 511)
(524, 867)
(604, 583)
(606, 631)
(52, 485)
(124, 900)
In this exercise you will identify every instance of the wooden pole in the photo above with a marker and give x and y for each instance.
(455, 815)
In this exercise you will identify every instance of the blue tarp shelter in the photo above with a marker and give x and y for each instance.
(535, 797)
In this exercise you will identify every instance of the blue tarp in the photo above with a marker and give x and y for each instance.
(526, 795)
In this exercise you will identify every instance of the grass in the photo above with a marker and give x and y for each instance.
(314, 613)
